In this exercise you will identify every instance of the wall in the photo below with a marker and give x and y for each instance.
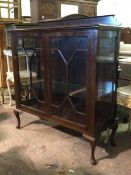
(121, 8)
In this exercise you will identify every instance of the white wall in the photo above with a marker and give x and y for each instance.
(121, 8)
(25, 7)
(68, 9)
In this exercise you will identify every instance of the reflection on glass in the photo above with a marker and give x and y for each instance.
(106, 83)
(107, 46)
(105, 64)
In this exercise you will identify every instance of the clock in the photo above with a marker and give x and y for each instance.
(48, 8)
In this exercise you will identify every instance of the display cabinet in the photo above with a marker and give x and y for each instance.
(74, 61)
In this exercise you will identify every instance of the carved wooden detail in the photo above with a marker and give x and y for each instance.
(48, 9)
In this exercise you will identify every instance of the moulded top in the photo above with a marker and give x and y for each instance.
(76, 21)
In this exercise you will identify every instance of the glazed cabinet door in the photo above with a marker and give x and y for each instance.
(106, 75)
(68, 54)
(30, 71)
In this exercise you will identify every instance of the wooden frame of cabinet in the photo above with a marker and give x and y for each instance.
(76, 63)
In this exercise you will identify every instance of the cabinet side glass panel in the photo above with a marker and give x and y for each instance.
(31, 72)
(106, 74)
(68, 71)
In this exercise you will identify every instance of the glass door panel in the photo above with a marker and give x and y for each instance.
(59, 79)
(31, 72)
(106, 81)
(77, 80)
(68, 71)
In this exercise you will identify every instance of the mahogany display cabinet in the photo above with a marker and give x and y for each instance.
(73, 68)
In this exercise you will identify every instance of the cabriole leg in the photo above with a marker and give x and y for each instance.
(92, 159)
(9, 90)
(93, 142)
(129, 125)
(17, 113)
(113, 132)
(2, 95)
